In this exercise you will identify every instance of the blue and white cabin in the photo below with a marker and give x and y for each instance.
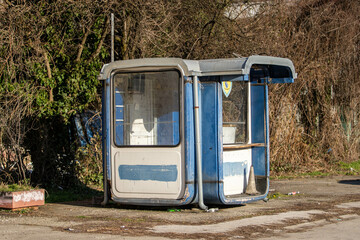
(164, 119)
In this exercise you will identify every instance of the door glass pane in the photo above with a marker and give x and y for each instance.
(146, 108)
(234, 113)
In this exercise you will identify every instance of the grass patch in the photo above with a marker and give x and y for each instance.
(301, 175)
(280, 177)
(69, 195)
(14, 187)
(276, 195)
(315, 174)
(351, 168)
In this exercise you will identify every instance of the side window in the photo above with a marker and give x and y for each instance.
(147, 108)
(235, 112)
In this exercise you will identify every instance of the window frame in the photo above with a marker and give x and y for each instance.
(180, 103)
(248, 113)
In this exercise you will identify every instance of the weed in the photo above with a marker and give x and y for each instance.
(275, 195)
(68, 195)
(24, 210)
(351, 168)
(278, 195)
(14, 187)
(315, 174)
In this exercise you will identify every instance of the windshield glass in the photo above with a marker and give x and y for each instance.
(234, 112)
(146, 108)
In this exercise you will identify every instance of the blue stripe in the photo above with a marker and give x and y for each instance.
(162, 173)
(234, 169)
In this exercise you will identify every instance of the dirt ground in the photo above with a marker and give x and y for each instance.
(320, 201)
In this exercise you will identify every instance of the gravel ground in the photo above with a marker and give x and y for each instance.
(320, 203)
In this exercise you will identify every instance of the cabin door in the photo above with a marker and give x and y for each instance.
(146, 149)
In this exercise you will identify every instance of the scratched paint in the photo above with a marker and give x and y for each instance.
(28, 196)
(163, 173)
(5, 199)
(234, 168)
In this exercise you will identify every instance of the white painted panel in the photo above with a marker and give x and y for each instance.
(229, 135)
(144, 181)
(139, 135)
(236, 168)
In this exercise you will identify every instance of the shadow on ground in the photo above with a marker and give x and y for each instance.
(351, 181)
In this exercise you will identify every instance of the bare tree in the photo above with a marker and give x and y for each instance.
(15, 109)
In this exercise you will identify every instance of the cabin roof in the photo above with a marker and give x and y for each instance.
(210, 67)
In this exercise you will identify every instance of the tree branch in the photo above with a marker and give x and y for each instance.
(97, 51)
(47, 64)
(81, 47)
(48, 69)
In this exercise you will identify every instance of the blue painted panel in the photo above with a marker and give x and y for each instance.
(257, 114)
(267, 132)
(234, 169)
(105, 150)
(164, 129)
(106, 127)
(189, 133)
(259, 160)
(176, 127)
(119, 118)
(220, 174)
(119, 113)
(209, 138)
(168, 129)
(119, 130)
(163, 173)
(118, 98)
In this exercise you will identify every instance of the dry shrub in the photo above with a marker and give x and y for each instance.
(15, 108)
(90, 162)
(314, 122)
